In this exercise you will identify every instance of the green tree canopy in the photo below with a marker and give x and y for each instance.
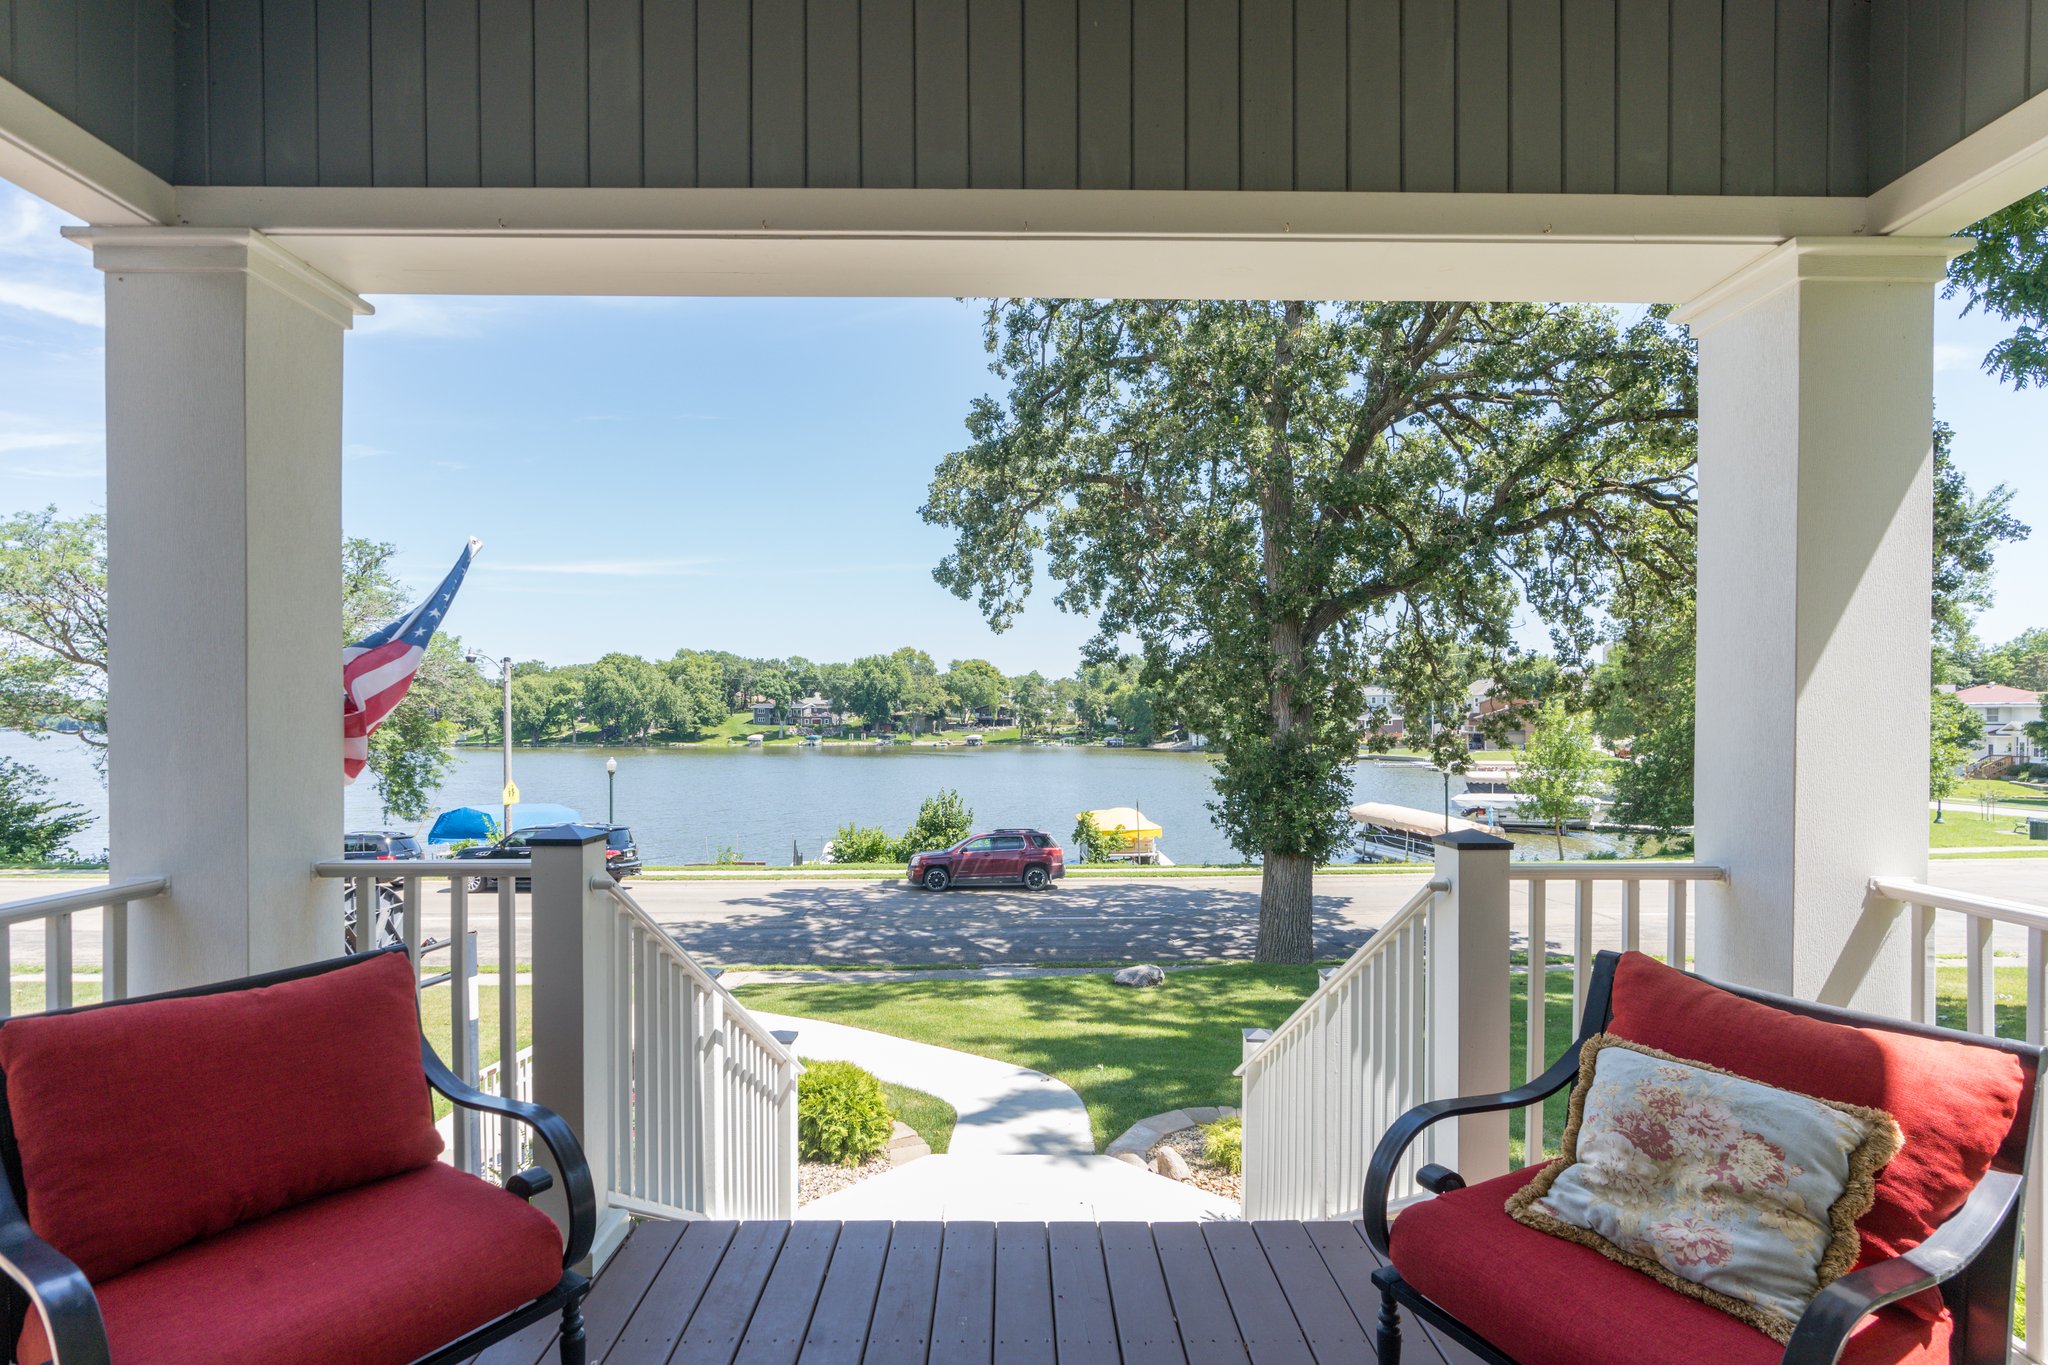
(1559, 775)
(2006, 275)
(1953, 736)
(974, 685)
(33, 828)
(1278, 501)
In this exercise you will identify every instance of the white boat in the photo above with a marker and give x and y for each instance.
(974, 741)
(1509, 810)
(807, 742)
(1403, 834)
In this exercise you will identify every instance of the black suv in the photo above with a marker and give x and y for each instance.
(380, 845)
(621, 855)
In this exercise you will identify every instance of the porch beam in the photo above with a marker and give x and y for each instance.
(1816, 509)
(224, 564)
(53, 158)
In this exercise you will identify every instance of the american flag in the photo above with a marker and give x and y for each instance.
(377, 670)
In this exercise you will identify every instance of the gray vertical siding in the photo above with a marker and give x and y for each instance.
(1741, 97)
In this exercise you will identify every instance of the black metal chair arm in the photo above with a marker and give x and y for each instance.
(1825, 1326)
(554, 1130)
(56, 1288)
(1386, 1158)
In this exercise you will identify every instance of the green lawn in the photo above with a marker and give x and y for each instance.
(930, 1117)
(436, 1021)
(1961, 827)
(2004, 792)
(1129, 1053)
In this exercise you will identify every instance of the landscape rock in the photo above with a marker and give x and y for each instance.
(1143, 975)
(1171, 1164)
(1133, 1159)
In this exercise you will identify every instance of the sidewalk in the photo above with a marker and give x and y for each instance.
(1004, 1110)
(1022, 1147)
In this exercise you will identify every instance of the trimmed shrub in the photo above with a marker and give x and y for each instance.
(841, 1114)
(1223, 1143)
(942, 821)
(862, 844)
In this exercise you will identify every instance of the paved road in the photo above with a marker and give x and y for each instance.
(1134, 919)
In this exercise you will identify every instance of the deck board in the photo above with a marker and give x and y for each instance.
(1023, 1295)
(1084, 1327)
(816, 1293)
(964, 1315)
(902, 1326)
(776, 1334)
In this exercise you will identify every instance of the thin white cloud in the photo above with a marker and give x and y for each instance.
(427, 316)
(357, 450)
(618, 568)
(1949, 355)
(40, 272)
(18, 434)
(85, 307)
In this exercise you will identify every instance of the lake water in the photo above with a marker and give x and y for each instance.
(686, 804)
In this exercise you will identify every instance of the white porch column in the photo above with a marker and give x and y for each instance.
(1816, 412)
(224, 573)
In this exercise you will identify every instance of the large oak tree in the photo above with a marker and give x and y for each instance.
(1280, 501)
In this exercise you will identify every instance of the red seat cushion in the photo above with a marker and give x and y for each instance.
(146, 1126)
(1546, 1301)
(380, 1274)
(1955, 1103)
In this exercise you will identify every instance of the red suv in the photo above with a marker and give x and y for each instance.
(1013, 857)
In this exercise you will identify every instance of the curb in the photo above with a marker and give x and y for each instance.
(1142, 1136)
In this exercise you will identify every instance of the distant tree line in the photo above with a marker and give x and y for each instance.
(623, 698)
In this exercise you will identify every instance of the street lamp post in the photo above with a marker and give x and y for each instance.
(611, 782)
(505, 678)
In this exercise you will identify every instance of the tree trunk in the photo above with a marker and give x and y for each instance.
(1287, 909)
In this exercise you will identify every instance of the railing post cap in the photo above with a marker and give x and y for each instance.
(578, 835)
(1257, 1035)
(1471, 839)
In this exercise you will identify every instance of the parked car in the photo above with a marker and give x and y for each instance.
(621, 855)
(1008, 857)
(382, 845)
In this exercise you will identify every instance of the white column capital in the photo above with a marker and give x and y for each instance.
(182, 251)
(1828, 260)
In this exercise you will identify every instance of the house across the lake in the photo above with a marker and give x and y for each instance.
(2006, 712)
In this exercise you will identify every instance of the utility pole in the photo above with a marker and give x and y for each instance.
(505, 674)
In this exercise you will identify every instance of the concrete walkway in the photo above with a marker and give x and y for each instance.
(1030, 1189)
(1004, 1110)
(1022, 1147)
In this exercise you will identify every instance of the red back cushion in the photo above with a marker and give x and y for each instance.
(1954, 1102)
(147, 1126)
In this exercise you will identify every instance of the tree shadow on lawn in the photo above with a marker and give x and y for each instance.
(854, 922)
(1130, 1053)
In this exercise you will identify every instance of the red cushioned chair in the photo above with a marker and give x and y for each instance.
(1935, 1278)
(250, 1172)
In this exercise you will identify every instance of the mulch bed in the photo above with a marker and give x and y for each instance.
(816, 1179)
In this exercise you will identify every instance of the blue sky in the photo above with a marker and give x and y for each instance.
(723, 473)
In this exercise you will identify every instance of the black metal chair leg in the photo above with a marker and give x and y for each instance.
(1388, 1342)
(574, 1351)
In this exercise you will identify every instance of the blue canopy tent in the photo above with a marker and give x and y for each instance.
(474, 822)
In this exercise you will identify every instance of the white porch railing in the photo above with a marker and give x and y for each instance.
(685, 1103)
(1421, 1011)
(61, 958)
(704, 1116)
(1322, 1087)
(1972, 931)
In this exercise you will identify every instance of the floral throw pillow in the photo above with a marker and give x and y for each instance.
(1740, 1194)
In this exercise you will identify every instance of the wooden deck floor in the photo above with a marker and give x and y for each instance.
(773, 1293)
